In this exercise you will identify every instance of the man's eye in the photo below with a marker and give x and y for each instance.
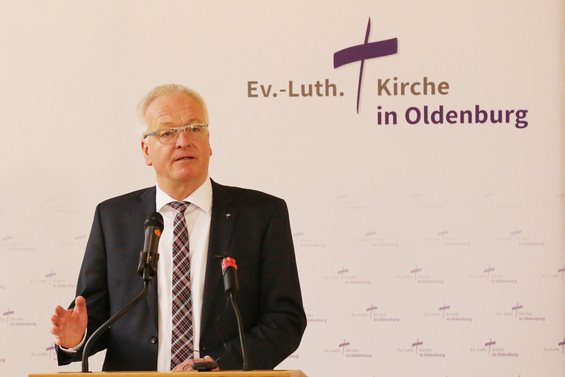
(166, 133)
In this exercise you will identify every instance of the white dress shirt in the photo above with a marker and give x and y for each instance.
(198, 217)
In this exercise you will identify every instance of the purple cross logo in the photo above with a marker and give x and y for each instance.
(50, 350)
(442, 234)
(562, 344)
(50, 275)
(444, 308)
(7, 315)
(370, 310)
(342, 272)
(562, 272)
(488, 271)
(415, 272)
(343, 345)
(365, 51)
(515, 234)
(489, 344)
(517, 307)
(417, 344)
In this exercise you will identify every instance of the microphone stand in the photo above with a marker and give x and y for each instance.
(240, 331)
(231, 287)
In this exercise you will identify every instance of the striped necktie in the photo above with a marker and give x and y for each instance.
(182, 329)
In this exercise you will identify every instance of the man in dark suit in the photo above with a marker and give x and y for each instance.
(249, 226)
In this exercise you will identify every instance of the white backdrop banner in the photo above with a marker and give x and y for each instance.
(419, 145)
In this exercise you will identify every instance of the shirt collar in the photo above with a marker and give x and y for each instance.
(201, 197)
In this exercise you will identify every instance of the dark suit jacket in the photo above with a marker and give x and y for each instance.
(250, 226)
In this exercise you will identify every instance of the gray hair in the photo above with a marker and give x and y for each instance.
(168, 89)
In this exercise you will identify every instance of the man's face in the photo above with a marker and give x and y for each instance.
(183, 164)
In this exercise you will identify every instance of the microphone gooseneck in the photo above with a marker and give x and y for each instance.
(231, 286)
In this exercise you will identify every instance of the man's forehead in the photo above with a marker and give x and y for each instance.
(168, 109)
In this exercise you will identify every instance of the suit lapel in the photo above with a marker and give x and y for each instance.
(223, 219)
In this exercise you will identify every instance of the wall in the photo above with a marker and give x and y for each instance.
(426, 244)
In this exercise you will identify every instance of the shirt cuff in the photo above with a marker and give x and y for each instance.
(76, 348)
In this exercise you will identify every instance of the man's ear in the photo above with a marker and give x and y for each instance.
(145, 150)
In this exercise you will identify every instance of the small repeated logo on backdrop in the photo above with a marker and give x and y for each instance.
(78, 242)
(375, 240)
(496, 350)
(420, 349)
(346, 350)
(423, 203)
(454, 316)
(301, 240)
(351, 352)
(418, 275)
(496, 277)
(373, 314)
(9, 243)
(497, 202)
(54, 206)
(50, 279)
(12, 319)
(344, 276)
(445, 313)
(520, 238)
(446, 238)
(521, 313)
(48, 353)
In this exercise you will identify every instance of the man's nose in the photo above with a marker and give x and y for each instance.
(183, 139)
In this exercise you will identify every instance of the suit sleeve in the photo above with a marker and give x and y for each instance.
(92, 285)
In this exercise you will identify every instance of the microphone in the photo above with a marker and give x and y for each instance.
(229, 272)
(147, 267)
(148, 257)
(231, 286)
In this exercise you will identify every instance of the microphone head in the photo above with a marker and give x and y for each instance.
(155, 219)
(228, 262)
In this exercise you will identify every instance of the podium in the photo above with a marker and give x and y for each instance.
(227, 373)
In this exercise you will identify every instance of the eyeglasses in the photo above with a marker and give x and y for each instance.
(194, 132)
